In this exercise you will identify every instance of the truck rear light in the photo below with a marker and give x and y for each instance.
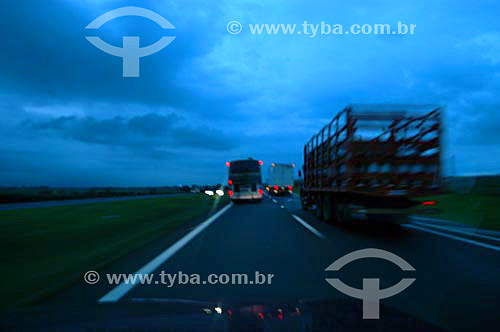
(230, 182)
(230, 192)
(228, 164)
(427, 203)
(260, 192)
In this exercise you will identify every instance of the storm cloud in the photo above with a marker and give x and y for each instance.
(147, 131)
(68, 117)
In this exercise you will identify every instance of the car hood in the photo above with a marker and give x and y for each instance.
(191, 315)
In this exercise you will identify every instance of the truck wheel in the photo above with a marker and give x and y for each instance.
(303, 204)
(341, 215)
(328, 209)
(319, 208)
(399, 219)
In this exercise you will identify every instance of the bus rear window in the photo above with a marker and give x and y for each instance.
(244, 166)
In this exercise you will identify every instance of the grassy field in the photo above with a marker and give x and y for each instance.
(473, 209)
(46, 249)
(35, 194)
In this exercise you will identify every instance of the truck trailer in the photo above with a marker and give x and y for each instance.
(280, 180)
(374, 162)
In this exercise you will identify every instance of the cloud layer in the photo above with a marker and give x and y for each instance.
(70, 118)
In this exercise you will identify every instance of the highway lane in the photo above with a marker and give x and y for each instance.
(456, 282)
(456, 278)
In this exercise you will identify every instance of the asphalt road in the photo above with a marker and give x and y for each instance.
(457, 274)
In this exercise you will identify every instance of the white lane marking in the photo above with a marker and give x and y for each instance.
(456, 225)
(119, 291)
(275, 201)
(441, 222)
(485, 231)
(309, 227)
(459, 231)
(477, 243)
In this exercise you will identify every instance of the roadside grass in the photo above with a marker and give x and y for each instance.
(47, 249)
(36, 194)
(474, 209)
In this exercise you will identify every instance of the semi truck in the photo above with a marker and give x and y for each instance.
(245, 180)
(374, 162)
(280, 180)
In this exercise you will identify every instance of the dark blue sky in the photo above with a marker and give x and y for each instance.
(70, 118)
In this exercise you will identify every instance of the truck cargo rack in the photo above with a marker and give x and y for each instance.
(377, 152)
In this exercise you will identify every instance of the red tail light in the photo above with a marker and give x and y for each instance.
(261, 315)
(230, 182)
(228, 164)
(230, 192)
(261, 162)
(275, 187)
(290, 188)
(427, 203)
(260, 191)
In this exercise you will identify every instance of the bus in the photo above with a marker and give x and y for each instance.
(245, 180)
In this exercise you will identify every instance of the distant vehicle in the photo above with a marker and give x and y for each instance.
(245, 180)
(280, 179)
(374, 164)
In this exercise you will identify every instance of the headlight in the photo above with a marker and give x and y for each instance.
(219, 192)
